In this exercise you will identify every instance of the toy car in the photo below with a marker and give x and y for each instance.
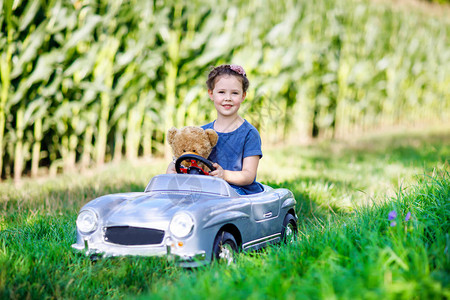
(192, 218)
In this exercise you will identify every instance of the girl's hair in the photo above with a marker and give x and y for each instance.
(234, 70)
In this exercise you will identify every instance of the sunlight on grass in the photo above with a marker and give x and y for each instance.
(337, 176)
(68, 192)
(363, 256)
(344, 191)
(342, 175)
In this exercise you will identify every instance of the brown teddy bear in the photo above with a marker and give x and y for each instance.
(192, 140)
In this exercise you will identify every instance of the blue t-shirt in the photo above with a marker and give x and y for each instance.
(233, 147)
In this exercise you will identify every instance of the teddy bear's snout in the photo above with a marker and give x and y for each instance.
(189, 152)
(187, 163)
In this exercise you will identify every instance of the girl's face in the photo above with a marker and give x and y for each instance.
(227, 95)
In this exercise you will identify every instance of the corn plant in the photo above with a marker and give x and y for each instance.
(86, 82)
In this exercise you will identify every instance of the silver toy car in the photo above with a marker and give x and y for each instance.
(192, 218)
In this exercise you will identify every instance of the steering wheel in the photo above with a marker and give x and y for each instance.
(194, 168)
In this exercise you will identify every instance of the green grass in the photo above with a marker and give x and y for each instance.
(346, 247)
(362, 256)
(337, 176)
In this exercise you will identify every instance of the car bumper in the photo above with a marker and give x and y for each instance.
(180, 256)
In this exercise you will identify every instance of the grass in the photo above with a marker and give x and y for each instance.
(346, 248)
(361, 257)
(337, 176)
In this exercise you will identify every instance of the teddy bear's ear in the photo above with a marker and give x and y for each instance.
(171, 135)
(213, 137)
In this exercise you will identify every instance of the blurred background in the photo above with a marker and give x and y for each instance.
(88, 82)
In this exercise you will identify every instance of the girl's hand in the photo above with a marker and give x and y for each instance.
(171, 168)
(218, 172)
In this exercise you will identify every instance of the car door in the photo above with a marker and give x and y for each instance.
(265, 211)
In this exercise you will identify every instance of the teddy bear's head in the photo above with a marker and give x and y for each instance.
(192, 139)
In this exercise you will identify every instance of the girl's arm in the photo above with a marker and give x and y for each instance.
(244, 177)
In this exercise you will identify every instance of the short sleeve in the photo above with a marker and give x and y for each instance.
(252, 144)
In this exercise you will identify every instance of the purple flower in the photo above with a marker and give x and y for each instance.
(393, 224)
(408, 216)
(392, 215)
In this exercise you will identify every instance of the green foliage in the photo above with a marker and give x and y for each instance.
(85, 82)
(440, 1)
(346, 246)
(336, 177)
(37, 257)
(357, 257)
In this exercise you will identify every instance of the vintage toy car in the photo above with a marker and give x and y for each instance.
(192, 218)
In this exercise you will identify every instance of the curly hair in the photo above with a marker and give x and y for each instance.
(234, 70)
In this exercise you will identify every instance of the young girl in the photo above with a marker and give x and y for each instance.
(238, 151)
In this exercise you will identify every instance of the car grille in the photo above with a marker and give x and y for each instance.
(126, 235)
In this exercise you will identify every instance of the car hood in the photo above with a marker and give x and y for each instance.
(151, 207)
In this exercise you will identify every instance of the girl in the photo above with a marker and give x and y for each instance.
(238, 151)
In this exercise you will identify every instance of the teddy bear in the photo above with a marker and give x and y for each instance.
(192, 140)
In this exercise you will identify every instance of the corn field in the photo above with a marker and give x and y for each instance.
(84, 82)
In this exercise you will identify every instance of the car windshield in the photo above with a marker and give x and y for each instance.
(188, 183)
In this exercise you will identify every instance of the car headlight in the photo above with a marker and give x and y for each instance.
(87, 221)
(181, 225)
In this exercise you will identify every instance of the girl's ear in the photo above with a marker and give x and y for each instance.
(244, 94)
(210, 93)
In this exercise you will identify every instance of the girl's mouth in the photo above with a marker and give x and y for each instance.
(227, 106)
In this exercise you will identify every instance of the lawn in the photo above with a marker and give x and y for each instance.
(348, 247)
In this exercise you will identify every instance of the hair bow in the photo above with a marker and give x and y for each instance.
(238, 69)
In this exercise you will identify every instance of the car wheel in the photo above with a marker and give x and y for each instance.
(225, 247)
(94, 258)
(289, 230)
